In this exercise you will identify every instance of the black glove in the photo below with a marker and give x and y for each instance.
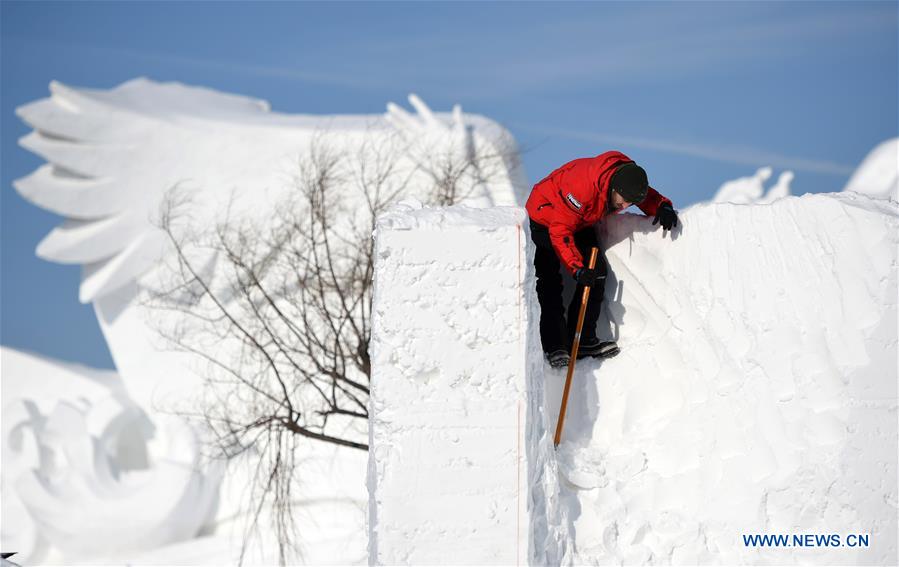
(586, 276)
(666, 215)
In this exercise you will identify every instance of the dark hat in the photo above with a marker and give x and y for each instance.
(630, 181)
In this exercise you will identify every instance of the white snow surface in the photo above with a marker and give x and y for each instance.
(459, 449)
(755, 392)
(878, 174)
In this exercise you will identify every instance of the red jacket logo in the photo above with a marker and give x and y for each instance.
(573, 201)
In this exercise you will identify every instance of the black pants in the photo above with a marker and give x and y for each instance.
(555, 333)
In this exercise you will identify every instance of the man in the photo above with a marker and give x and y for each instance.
(563, 209)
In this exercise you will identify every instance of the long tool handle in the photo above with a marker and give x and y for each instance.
(574, 349)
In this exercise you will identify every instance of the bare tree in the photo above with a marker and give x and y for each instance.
(280, 311)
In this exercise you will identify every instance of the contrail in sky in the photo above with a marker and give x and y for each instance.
(727, 154)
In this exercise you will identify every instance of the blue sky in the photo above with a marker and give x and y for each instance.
(698, 93)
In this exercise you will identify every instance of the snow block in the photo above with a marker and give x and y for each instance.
(459, 449)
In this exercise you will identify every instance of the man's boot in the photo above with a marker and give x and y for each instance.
(595, 348)
(558, 358)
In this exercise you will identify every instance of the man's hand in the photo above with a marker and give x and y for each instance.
(586, 276)
(666, 215)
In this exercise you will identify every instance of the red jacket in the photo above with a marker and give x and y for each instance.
(574, 197)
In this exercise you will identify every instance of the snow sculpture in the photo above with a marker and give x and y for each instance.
(459, 449)
(115, 157)
(746, 190)
(80, 458)
(878, 174)
(113, 154)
